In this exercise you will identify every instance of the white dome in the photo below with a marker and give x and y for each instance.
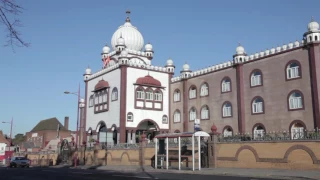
(169, 62)
(313, 26)
(186, 67)
(240, 50)
(88, 71)
(148, 47)
(124, 53)
(134, 39)
(106, 49)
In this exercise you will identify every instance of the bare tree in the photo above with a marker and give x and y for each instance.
(8, 12)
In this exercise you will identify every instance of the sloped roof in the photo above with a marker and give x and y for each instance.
(3, 139)
(49, 124)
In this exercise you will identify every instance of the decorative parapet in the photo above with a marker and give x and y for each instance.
(130, 64)
(251, 57)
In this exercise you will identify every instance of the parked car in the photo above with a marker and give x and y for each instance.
(19, 162)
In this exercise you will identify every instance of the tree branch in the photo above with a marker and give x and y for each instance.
(7, 8)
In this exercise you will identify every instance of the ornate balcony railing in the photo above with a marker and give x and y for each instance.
(271, 136)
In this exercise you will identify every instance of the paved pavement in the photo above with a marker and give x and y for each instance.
(85, 174)
(254, 173)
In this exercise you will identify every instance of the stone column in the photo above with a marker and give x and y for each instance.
(134, 137)
(129, 137)
(212, 147)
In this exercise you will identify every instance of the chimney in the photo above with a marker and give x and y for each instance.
(66, 122)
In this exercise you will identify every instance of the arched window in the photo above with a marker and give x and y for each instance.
(164, 119)
(205, 112)
(140, 93)
(226, 85)
(293, 70)
(258, 131)
(192, 92)
(114, 94)
(102, 129)
(91, 101)
(176, 95)
(130, 117)
(297, 129)
(227, 131)
(149, 94)
(256, 78)
(176, 116)
(295, 100)
(158, 95)
(204, 89)
(192, 114)
(226, 109)
(257, 105)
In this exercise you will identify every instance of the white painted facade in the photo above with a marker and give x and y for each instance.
(141, 114)
(112, 116)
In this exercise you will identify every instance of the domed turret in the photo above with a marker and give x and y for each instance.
(313, 26)
(87, 73)
(123, 59)
(170, 67)
(121, 45)
(149, 50)
(124, 53)
(185, 71)
(133, 38)
(240, 55)
(313, 32)
(106, 49)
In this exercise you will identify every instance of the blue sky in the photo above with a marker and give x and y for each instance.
(67, 36)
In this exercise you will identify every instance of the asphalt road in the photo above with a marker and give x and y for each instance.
(80, 174)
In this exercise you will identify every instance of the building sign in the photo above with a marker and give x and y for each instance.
(197, 125)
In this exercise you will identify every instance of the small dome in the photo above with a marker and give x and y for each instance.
(240, 50)
(169, 62)
(120, 41)
(81, 100)
(148, 80)
(186, 67)
(106, 49)
(102, 84)
(88, 70)
(124, 53)
(148, 47)
(313, 26)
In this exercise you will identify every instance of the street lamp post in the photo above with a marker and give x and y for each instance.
(10, 131)
(78, 108)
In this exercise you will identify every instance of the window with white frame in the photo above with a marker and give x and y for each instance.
(227, 132)
(192, 92)
(96, 98)
(205, 112)
(293, 70)
(129, 116)
(226, 110)
(256, 78)
(164, 119)
(258, 132)
(176, 96)
(149, 94)
(295, 100)
(140, 93)
(91, 101)
(226, 85)
(104, 96)
(204, 90)
(176, 116)
(158, 95)
(114, 94)
(257, 105)
(192, 114)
